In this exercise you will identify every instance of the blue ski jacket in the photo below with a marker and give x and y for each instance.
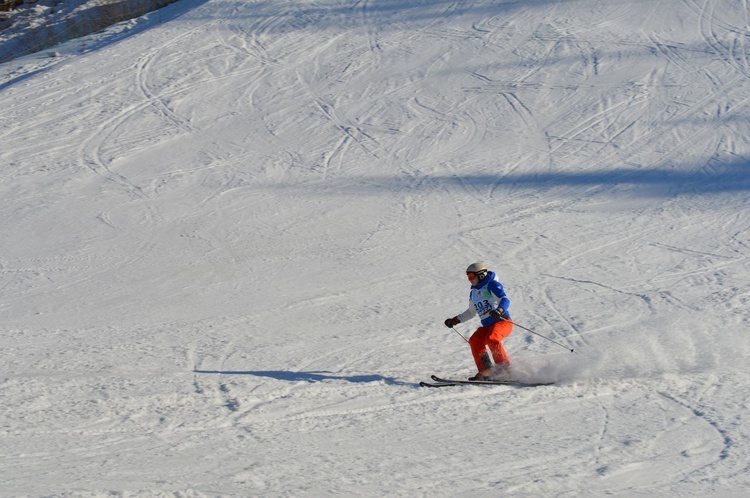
(484, 297)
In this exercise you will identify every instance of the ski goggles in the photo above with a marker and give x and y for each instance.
(471, 275)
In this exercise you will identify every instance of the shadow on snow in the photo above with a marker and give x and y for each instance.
(659, 182)
(310, 377)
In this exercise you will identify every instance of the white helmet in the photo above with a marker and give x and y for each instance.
(479, 268)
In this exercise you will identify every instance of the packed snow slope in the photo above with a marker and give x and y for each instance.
(230, 239)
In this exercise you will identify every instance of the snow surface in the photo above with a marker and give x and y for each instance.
(230, 238)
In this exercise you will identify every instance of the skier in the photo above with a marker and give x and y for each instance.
(487, 299)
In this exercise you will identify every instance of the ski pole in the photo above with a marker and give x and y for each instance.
(540, 335)
(459, 333)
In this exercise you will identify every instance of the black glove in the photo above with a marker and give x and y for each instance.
(499, 314)
(450, 322)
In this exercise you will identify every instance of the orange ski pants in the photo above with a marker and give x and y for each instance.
(491, 336)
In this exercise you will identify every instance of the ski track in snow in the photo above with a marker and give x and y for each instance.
(231, 239)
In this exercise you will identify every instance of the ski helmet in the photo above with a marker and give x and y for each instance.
(480, 269)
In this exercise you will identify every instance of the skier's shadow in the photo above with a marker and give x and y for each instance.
(310, 377)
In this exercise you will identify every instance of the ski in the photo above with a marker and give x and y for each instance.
(441, 382)
(477, 382)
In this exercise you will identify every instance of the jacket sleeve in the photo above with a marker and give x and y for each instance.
(468, 314)
(498, 290)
